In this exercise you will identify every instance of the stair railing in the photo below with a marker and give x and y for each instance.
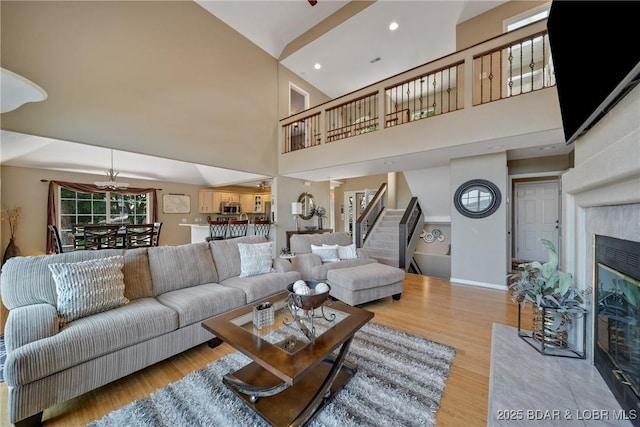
(367, 219)
(410, 228)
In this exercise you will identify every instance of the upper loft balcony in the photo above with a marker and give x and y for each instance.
(496, 95)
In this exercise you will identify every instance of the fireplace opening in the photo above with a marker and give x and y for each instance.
(617, 319)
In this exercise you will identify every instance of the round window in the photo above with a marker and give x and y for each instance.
(477, 198)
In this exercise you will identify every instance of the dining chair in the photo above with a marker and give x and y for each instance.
(217, 230)
(139, 235)
(77, 231)
(157, 226)
(237, 228)
(262, 227)
(55, 238)
(102, 237)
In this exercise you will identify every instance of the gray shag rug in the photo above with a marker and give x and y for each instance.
(399, 382)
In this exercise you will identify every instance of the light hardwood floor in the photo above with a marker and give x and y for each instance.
(458, 315)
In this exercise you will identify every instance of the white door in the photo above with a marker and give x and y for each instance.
(537, 217)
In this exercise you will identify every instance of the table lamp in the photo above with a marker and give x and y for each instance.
(296, 209)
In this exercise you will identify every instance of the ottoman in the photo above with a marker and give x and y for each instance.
(364, 283)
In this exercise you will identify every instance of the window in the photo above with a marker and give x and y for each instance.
(99, 208)
(528, 17)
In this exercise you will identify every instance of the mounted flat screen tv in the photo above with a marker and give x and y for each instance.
(596, 58)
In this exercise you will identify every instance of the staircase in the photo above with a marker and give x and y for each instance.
(382, 241)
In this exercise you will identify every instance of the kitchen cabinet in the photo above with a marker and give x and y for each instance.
(246, 203)
(206, 201)
(229, 197)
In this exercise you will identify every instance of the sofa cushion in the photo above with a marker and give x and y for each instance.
(255, 258)
(319, 272)
(177, 267)
(227, 256)
(327, 253)
(89, 337)
(258, 287)
(301, 243)
(197, 303)
(88, 287)
(347, 252)
(137, 276)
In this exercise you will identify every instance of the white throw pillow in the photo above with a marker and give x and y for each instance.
(327, 253)
(347, 252)
(88, 287)
(255, 258)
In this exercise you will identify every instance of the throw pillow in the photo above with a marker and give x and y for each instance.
(328, 253)
(88, 287)
(255, 258)
(347, 252)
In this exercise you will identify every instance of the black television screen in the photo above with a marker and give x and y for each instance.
(596, 58)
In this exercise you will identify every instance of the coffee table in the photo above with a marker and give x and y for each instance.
(290, 377)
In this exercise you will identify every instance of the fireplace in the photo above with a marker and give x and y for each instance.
(617, 319)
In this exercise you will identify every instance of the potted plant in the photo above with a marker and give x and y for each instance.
(321, 213)
(556, 302)
(13, 217)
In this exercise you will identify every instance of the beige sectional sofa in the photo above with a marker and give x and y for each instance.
(312, 266)
(354, 277)
(167, 292)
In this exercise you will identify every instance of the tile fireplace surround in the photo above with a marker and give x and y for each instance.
(601, 194)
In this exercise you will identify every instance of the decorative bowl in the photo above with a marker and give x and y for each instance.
(309, 302)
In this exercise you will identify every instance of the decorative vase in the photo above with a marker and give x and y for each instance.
(11, 251)
(543, 330)
(319, 223)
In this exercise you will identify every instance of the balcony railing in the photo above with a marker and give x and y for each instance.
(511, 64)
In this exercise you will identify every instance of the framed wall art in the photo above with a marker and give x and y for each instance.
(176, 203)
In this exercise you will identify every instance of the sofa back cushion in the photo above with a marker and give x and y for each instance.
(137, 275)
(301, 243)
(182, 266)
(226, 255)
(27, 280)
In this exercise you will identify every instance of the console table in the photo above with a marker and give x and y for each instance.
(316, 231)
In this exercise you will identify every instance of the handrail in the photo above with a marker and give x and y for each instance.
(467, 62)
(410, 228)
(372, 211)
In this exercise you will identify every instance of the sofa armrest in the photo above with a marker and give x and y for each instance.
(362, 253)
(281, 265)
(30, 323)
(303, 263)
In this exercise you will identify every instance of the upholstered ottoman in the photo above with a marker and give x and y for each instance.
(364, 283)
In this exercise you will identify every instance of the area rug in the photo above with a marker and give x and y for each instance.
(400, 380)
(3, 357)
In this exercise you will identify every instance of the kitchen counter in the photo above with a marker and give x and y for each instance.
(200, 231)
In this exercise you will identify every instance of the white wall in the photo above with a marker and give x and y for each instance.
(479, 246)
(432, 187)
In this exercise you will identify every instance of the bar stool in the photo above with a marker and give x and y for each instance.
(217, 230)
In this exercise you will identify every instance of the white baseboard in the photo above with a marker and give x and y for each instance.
(480, 284)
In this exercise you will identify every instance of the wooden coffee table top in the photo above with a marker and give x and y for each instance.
(236, 329)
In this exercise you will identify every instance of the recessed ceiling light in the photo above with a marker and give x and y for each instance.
(496, 147)
(393, 26)
(548, 147)
(317, 66)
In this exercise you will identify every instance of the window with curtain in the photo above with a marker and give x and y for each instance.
(71, 203)
(77, 207)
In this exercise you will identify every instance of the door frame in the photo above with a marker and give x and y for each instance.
(511, 215)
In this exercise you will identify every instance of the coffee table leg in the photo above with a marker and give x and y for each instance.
(254, 392)
(324, 392)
